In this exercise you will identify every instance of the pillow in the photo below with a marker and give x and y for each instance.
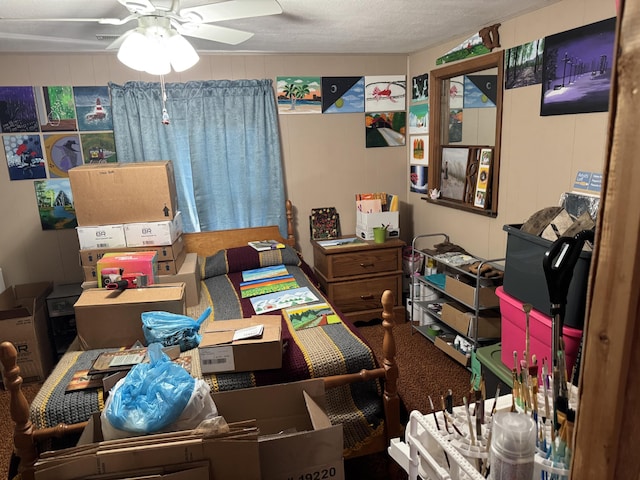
(239, 259)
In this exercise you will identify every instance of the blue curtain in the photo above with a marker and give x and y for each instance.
(223, 138)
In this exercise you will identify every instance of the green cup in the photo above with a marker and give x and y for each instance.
(379, 234)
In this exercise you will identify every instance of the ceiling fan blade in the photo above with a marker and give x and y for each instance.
(144, 7)
(44, 38)
(102, 21)
(230, 10)
(215, 33)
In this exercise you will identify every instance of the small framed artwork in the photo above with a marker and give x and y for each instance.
(385, 129)
(420, 149)
(454, 172)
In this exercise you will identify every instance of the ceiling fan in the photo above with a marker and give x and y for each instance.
(165, 22)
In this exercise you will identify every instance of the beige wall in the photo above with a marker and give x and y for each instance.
(325, 160)
(540, 155)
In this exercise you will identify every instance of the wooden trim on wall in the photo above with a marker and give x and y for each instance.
(607, 430)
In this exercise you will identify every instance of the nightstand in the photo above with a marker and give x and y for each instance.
(62, 319)
(354, 277)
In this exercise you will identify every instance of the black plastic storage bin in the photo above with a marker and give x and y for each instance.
(524, 277)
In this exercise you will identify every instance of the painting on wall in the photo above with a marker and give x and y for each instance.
(454, 172)
(419, 118)
(98, 147)
(57, 109)
(93, 108)
(18, 111)
(385, 93)
(420, 149)
(577, 67)
(55, 204)
(420, 88)
(299, 94)
(480, 91)
(471, 47)
(342, 94)
(24, 157)
(385, 129)
(418, 178)
(63, 152)
(523, 64)
(456, 92)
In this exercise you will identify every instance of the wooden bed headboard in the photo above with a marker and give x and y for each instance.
(207, 243)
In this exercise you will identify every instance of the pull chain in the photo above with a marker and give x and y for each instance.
(165, 114)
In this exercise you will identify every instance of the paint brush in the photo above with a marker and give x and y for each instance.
(435, 417)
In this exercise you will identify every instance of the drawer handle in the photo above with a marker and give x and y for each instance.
(367, 265)
(366, 297)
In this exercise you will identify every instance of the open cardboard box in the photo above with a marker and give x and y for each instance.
(296, 440)
(463, 321)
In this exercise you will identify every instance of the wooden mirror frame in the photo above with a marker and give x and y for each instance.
(436, 123)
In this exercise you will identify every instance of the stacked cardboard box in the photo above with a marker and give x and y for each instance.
(131, 207)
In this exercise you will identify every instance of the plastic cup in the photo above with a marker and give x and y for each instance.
(513, 446)
(379, 234)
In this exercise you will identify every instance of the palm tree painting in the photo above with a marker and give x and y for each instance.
(299, 94)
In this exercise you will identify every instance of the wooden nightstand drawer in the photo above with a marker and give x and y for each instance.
(363, 294)
(366, 262)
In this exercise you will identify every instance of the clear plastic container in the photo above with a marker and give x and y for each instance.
(513, 446)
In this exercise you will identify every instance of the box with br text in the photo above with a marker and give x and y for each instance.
(145, 234)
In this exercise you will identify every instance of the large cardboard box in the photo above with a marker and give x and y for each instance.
(90, 257)
(296, 440)
(108, 318)
(153, 234)
(189, 273)
(465, 293)
(463, 321)
(220, 353)
(116, 193)
(24, 322)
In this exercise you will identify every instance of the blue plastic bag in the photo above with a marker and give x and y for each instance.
(171, 329)
(151, 396)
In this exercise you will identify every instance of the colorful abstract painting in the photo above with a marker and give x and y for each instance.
(57, 109)
(24, 157)
(98, 147)
(63, 152)
(55, 204)
(385, 129)
(577, 68)
(93, 108)
(342, 94)
(18, 111)
(299, 95)
(385, 93)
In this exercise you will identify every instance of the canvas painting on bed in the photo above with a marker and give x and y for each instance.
(278, 300)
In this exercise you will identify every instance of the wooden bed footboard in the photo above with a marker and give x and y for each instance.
(26, 437)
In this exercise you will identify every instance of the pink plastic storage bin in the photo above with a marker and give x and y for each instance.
(540, 341)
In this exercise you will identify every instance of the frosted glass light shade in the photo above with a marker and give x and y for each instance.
(132, 52)
(183, 55)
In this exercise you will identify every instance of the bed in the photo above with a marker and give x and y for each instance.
(360, 393)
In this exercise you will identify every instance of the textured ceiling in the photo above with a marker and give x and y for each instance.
(305, 26)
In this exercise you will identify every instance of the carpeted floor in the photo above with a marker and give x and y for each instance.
(424, 370)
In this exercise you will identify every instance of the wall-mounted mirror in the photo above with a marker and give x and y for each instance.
(465, 120)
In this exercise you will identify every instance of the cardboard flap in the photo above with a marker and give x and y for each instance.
(319, 418)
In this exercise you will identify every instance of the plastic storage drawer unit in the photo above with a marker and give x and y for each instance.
(525, 280)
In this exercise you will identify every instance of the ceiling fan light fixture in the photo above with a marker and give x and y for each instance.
(182, 54)
(132, 52)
